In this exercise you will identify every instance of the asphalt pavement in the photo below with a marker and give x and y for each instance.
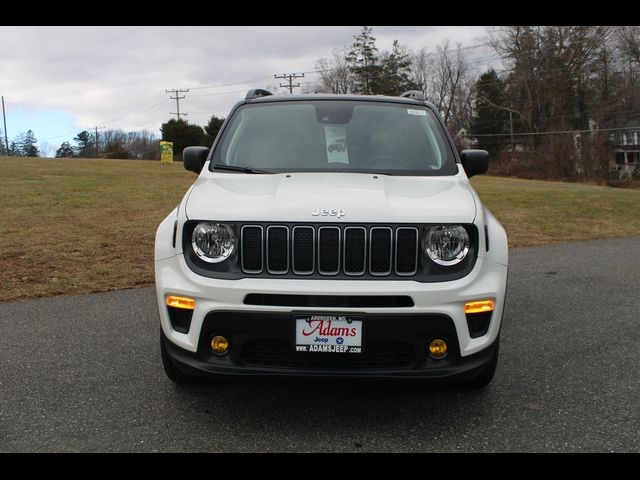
(83, 374)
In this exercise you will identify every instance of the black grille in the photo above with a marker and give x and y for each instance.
(277, 249)
(332, 301)
(354, 250)
(406, 251)
(280, 353)
(303, 250)
(380, 251)
(252, 248)
(329, 250)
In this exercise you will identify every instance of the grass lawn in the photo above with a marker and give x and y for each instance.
(76, 226)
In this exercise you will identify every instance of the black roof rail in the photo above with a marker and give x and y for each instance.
(415, 95)
(257, 92)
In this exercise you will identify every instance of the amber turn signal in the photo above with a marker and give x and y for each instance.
(480, 306)
(181, 302)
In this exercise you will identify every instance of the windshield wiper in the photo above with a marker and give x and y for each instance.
(235, 168)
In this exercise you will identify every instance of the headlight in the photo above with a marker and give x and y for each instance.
(213, 242)
(447, 244)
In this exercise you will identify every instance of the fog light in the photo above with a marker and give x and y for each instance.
(219, 345)
(438, 348)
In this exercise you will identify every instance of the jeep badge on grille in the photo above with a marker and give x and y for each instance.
(332, 212)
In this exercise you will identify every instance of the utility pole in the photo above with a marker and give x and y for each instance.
(4, 119)
(97, 147)
(290, 77)
(177, 98)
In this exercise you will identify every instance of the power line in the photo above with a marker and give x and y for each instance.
(177, 98)
(552, 133)
(290, 77)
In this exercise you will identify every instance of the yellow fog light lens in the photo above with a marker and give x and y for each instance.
(181, 302)
(438, 348)
(480, 306)
(219, 345)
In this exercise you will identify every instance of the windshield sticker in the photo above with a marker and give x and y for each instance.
(422, 113)
(336, 138)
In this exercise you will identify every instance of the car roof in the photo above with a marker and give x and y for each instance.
(326, 96)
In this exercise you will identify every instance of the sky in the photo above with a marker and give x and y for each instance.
(58, 81)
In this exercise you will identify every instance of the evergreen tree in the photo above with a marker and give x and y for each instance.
(29, 148)
(363, 63)
(65, 151)
(182, 135)
(396, 71)
(84, 144)
(212, 128)
(14, 149)
(491, 116)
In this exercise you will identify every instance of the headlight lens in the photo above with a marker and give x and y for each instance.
(213, 242)
(447, 244)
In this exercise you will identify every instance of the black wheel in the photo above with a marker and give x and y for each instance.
(174, 373)
(485, 377)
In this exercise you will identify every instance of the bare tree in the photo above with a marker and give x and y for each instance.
(447, 81)
(629, 41)
(335, 74)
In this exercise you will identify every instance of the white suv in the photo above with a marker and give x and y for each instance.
(288, 256)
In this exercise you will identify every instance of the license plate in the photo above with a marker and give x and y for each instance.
(328, 333)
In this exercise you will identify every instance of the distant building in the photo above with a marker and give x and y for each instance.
(627, 151)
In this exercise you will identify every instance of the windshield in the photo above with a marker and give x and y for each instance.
(329, 135)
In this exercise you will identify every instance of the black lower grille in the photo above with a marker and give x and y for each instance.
(329, 301)
(280, 353)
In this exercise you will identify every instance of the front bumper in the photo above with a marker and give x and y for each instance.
(431, 301)
(395, 347)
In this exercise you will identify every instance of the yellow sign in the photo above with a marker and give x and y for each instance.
(166, 149)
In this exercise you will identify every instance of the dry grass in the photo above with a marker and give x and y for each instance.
(77, 226)
(540, 212)
(73, 226)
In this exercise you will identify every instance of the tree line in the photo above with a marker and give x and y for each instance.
(140, 145)
(583, 81)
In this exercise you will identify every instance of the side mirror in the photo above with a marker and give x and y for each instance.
(194, 158)
(474, 162)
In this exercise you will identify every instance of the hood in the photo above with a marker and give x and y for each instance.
(334, 197)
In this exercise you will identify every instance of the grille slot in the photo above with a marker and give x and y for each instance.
(355, 250)
(303, 250)
(251, 251)
(328, 250)
(380, 250)
(277, 249)
(406, 250)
